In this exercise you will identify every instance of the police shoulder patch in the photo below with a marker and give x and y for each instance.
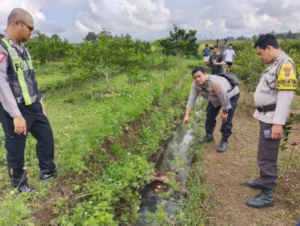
(217, 88)
(286, 79)
(2, 56)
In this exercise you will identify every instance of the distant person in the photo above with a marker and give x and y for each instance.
(206, 52)
(224, 46)
(221, 95)
(22, 103)
(218, 44)
(273, 97)
(215, 61)
(229, 55)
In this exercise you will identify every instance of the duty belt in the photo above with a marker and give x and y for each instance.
(266, 108)
(20, 100)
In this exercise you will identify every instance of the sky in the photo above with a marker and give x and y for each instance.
(153, 19)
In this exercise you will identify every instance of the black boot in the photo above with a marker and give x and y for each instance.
(18, 178)
(45, 175)
(223, 145)
(206, 139)
(253, 184)
(25, 188)
(264, 199)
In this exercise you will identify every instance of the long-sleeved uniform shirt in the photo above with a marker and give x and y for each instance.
(7, 98)
(216, 89)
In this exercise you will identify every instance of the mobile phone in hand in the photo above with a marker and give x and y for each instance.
(267, 134)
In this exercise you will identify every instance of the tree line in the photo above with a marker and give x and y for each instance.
(280, 36)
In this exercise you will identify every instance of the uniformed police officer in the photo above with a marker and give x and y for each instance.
(273, 98)
(221, 94)
(21, 101)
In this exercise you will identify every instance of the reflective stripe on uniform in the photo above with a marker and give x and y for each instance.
(20, 66)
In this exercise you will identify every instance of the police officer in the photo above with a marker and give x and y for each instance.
(273, 98)
(21, 102)
(221, 94)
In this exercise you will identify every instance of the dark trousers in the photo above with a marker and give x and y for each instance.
(38, 125)
(267, 154)
(211, 114)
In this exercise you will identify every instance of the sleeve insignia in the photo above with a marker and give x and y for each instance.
(286, 79)
(217, 88)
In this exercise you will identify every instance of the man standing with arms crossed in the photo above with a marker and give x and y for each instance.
(215, 61)
(273, 98)
(22, 104)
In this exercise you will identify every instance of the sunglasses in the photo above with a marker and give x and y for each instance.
(29, 28)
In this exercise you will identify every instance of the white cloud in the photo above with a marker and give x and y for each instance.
(39, 16)
(208, 23)
(124, 16)
(72, 2)
(287, 3)
(152, 19)
(244, 17)
(32, 6)
(265, 21)
(81, 27)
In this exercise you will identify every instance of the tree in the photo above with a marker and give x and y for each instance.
(254, 38)
(180, 42)
(45, 49)
(91, 36)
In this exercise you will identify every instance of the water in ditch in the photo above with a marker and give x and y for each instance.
(175, 162)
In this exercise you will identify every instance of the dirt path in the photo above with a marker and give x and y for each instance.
(225, 173)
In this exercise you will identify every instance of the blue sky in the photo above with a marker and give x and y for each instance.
(152, 19)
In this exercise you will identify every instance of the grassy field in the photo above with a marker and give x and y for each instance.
(106, 136)
(99, 169)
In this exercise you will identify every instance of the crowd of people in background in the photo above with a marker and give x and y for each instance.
(219, 57)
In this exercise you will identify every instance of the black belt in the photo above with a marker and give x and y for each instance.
(266, 108)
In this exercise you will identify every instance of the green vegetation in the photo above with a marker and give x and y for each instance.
(45, 49)
(82, 119)
(111, 101)
(180, 42)
(89, 114)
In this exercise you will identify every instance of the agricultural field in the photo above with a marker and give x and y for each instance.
(112, 103)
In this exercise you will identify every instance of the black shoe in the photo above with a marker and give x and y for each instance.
(46, 175)
(25, 188)
(264, 199)
(222, 146)
(253, 184)
(206, 139)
